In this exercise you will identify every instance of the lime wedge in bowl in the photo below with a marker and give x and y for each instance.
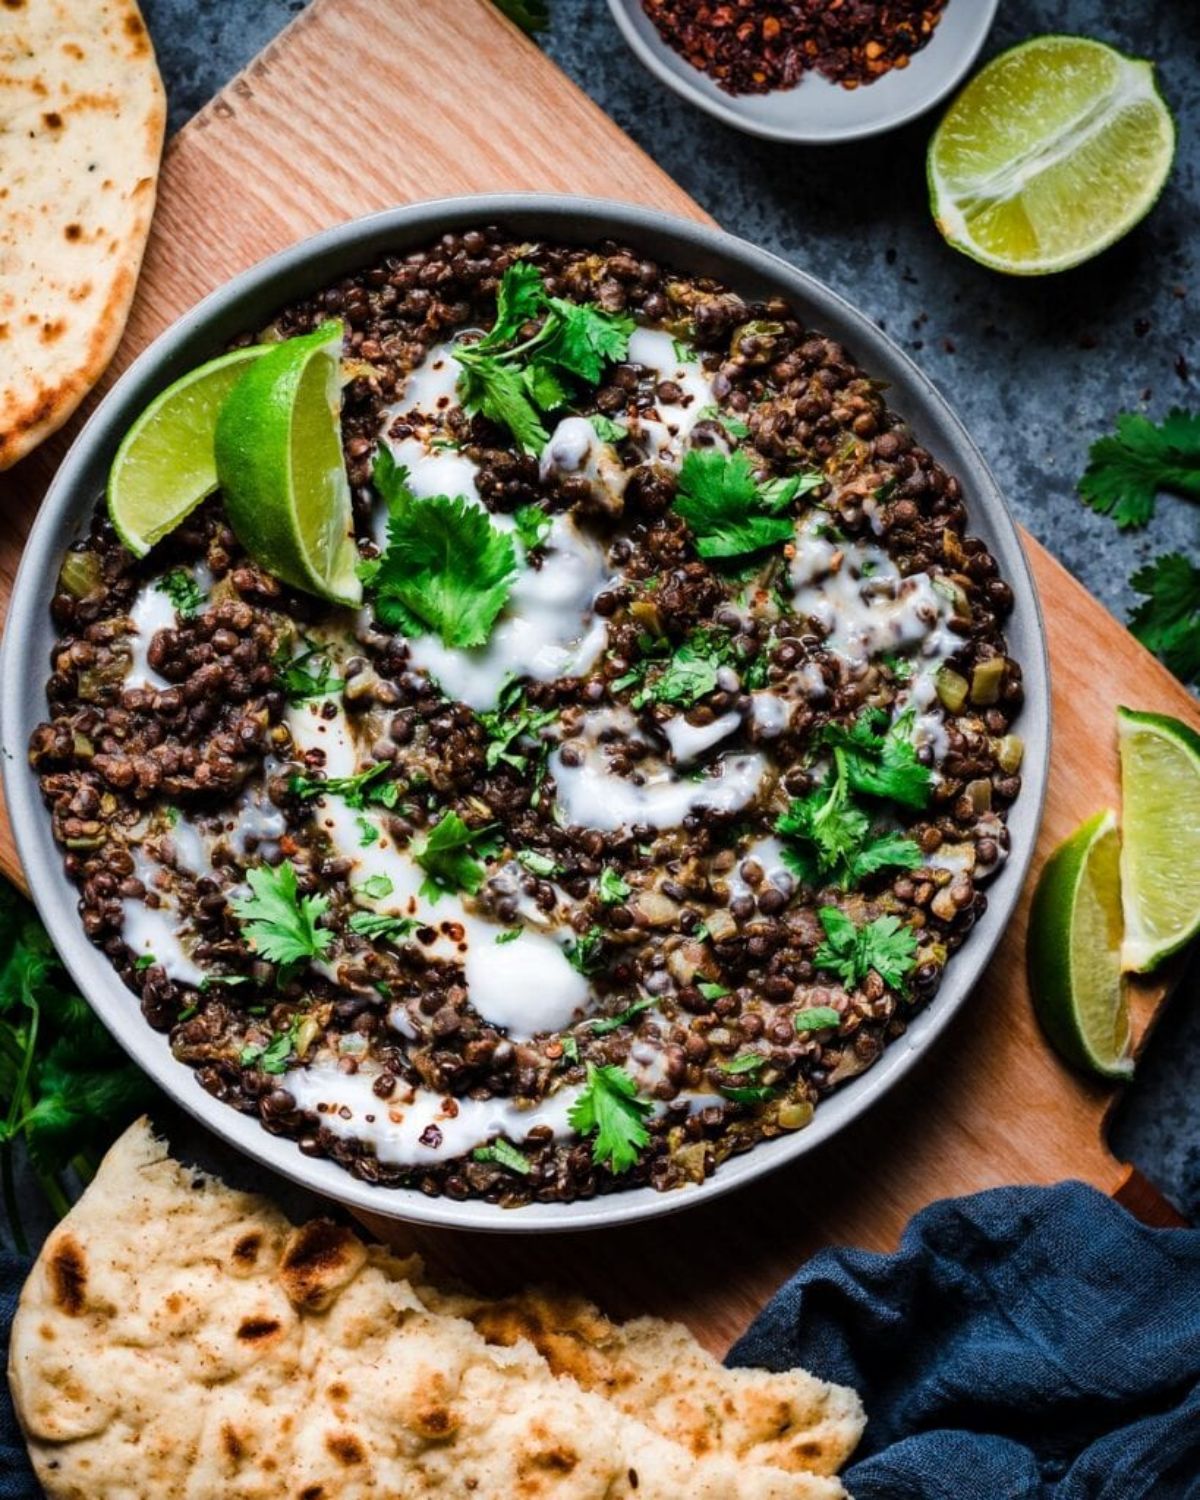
(165, 466)
(1074, 950)
(1050, 154)
(1160, 860)
(279, 460)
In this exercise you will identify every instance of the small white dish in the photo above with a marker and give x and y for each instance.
(818, 112)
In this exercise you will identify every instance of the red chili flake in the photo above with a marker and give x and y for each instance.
(758, 46)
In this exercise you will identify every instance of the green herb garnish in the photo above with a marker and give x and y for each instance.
(372, 924)
(540, 865)
(444, 853)
(610, 1110)
(275, 1056)
(1126, 471)
(1168, 619)
(729, 511)
(611, 888)
(280, 924)
(370, 786)
(831, 838)
(376, 888)
(817, 1018)
(504, 1155)
(604, 1025)
(183, 591)
(712, 991)
(882, 762)
(587, 953)
(511, 721)
(851, 952)
(533, 525)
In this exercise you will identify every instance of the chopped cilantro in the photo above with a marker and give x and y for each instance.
(540, 865)
(444, 854)
(729, 511)
(504, 1155)
(611, 889)
(752, 1094)
(368, 834)
(145, 961)
(447, 568)
(372, 924)
(280, 924)
(376, 888)
(817, 1018)
(1126, 471)
(587, 953)
(183, 591)
(1168, 619)
(712, 991)
(510, 722)
(734, 426)
(309, 675)
(371, 785)
(748, 1062)
(851, 952)
(606, 429)
(275, 1056)
(533, 525)
(832, 838)
(509, 935)
(603, 1025)
(610, 1110)
(570, 1048)
(882, 762)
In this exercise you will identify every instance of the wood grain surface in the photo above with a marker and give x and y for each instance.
(361, 105)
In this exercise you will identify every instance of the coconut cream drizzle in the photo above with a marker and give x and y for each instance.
(525, 986)
(152, 611)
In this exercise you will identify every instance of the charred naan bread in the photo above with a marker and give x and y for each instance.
(180, 1339)
(81, 127)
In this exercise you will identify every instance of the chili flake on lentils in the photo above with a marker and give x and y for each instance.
(749, 47)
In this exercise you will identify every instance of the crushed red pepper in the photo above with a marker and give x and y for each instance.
(757, 46)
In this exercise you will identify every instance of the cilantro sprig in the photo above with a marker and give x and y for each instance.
(729, 511)
(305, 676)
(1126, 471)
(851, 952)
(882, 762)
(372, 785)
(183, 591)
(447, 568)
(374, 924)
(511, 724)
(446, 855)
(514, 384)
(831, 838)
(504, 1154)
(280, 924)
(66, 1089)
(1168, 618)
(610, 1111)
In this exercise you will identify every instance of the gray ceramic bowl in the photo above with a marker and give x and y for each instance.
(247, 303)
(818, 112)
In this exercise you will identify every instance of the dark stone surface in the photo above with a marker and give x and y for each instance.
(1037, 368)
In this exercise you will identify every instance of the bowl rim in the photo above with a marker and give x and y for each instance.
(655, 55)
(308, 265)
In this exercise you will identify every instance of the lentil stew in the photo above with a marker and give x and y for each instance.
(721, 817)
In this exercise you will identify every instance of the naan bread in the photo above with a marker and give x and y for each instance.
(81, 127)
(180, 1339)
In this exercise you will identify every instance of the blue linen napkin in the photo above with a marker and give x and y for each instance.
(1021, 1344)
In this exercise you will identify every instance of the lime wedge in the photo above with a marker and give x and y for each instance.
(1160, 860)
(1075, 950)
(165, 466)
(1050, 154)
(279, 458)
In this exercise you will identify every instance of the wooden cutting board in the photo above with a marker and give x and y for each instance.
(361, 105)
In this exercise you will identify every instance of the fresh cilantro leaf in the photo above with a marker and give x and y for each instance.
(145, 961)
(831, 836)
(275, 1056)
(851, 952)
(499, 393)
(729, 512)
(1168, 620)
(1126, 471)
(520, 298)
(606, 429)
(817, 1018)
(510, 722)
(583, 338)
(444, 854)
(609, 1109)
(533, 525)
(882, 764)
(537, 864)
(210, 981)
(446, 568)
(611, 888)
(376, 888)
(280, 924)
(748, 1062)
(587, 953)
(309, 675)
(712, 991)
(899, 666)
(544, 385)
(183, 591)
(689, 675)
(570, 1048)
(65, 1087)
(733, 425)
(682, 350)
(504, 1155)
(754, 1094)
(509, 935)
(372, 785)
(368, 834)
(604, 1025)
(371, 924)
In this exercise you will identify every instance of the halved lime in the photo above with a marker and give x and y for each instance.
(1160, 860)
(1074, 950)
(165, 465)
(279, 458)
(1050, 154)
